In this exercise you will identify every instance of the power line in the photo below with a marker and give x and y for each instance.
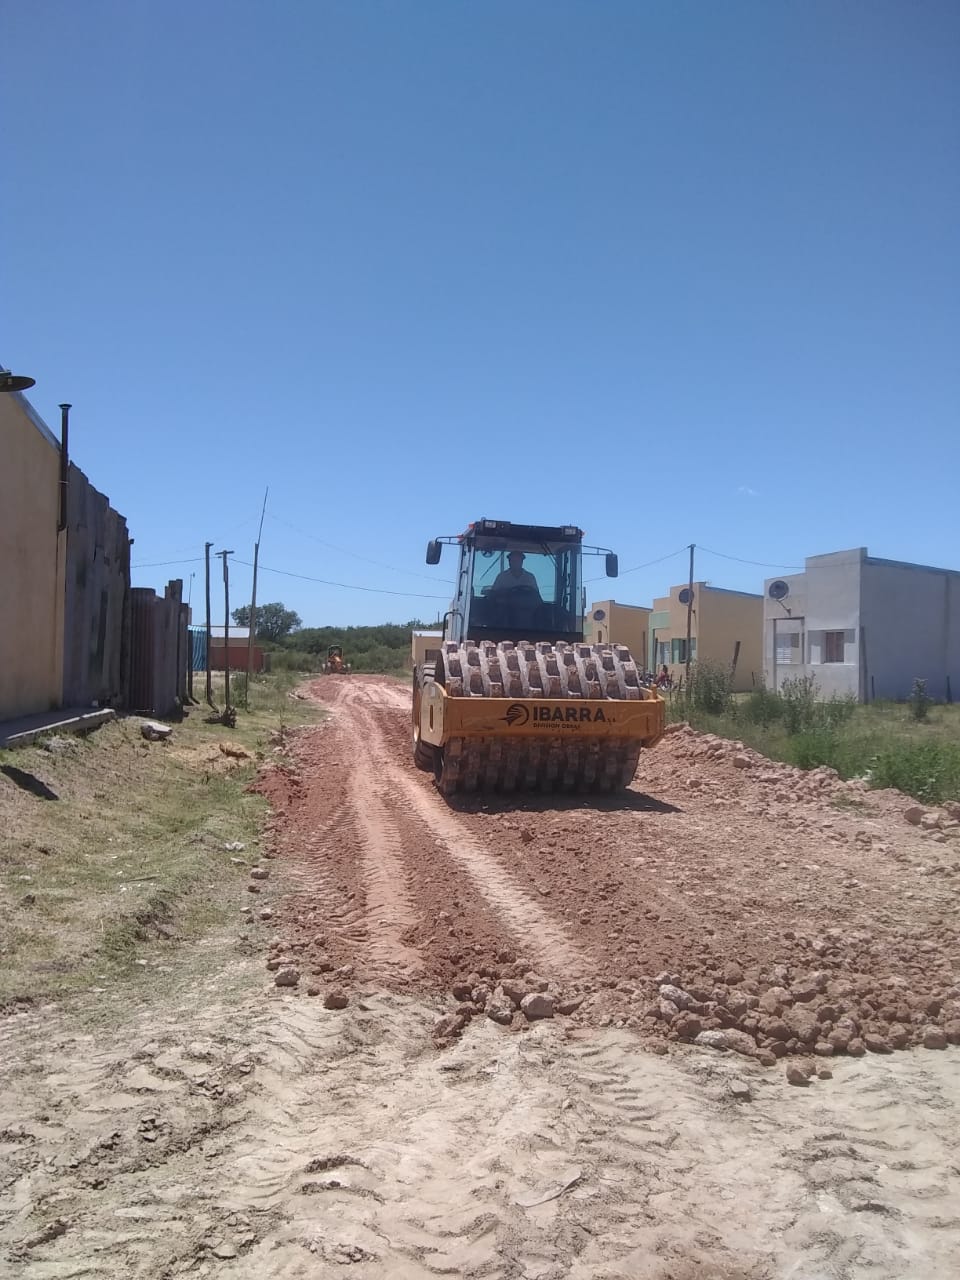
(346, 586)
(158, 564)
(646, 565)
(760, 564)
(411, 573)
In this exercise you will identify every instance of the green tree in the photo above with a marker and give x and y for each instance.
(274, 621)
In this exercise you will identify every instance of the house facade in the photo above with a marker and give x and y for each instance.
(726, 629)
(864, 626)
(607, 622)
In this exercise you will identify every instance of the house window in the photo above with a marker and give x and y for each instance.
(679, 649)
(833, 646)
(788, 649)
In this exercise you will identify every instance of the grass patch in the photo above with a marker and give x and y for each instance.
(887, 743)
(107, 882)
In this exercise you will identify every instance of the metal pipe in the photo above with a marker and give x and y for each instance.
(64, 463)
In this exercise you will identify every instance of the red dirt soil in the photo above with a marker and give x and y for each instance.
(787, 912)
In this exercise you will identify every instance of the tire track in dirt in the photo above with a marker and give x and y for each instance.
(384, 911)
(542, 937)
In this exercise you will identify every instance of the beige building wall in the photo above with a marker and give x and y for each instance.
(31, 562)
(627, 624)
(719, 619)
(726, 619)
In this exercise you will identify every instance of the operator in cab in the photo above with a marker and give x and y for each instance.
(515, 577)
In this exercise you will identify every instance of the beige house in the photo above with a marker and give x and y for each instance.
(607, 622)
(726, 629)
(32, 561)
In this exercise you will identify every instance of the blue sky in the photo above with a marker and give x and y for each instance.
(671, 271)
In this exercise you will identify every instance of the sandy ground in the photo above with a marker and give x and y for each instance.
(247, 1130)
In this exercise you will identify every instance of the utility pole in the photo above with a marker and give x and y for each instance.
(253, 594)
(206, 556)
(190, 633)
(227, 709)
(686, 677)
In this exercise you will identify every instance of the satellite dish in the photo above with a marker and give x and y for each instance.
(778, 590)
(686, 595)
(598, 615)
(15, 382)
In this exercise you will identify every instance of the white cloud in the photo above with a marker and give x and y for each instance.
(747, 491)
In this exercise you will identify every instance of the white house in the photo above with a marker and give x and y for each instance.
(864, 626)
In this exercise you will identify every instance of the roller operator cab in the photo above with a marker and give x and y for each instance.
(511, 697)
(517, 581)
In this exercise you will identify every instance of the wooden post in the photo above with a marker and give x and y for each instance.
(206, 556)
(253, 598)
(689, 619)
(226, 632)
(733, 665)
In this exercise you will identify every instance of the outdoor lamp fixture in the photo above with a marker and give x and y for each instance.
(15, 381)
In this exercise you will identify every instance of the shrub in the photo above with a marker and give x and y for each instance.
(929, 771)
(837, 710)
(764, 707)
(799, 695)
(709, 690)
(919, 700)
(812, 748)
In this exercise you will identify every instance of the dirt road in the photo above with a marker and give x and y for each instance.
(244, 1130)
(796, 910)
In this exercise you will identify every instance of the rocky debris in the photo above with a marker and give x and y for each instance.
(898, 1036)
(876, 1043)
(711, 1040)
(742, 761)
(536, 1005)
(913, 814)
(224, 1250)
(259, 873)
(58, 746)
(234, 846)
(568, 1007)
(798, 1074)
(287, 977)
(952, 1031)
(447, 1028)
(740, 1042)
(266, 914)
(253, 888)
(740, 1091)
(313, 989)
(934, 1038)
(235, 751)
(500, 1007)
(335, 999)
(674, 996)
(154, 732)
(688, 1026)
(513, 990)
(824, 1073)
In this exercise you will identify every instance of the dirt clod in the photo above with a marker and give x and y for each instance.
(537, 1005)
